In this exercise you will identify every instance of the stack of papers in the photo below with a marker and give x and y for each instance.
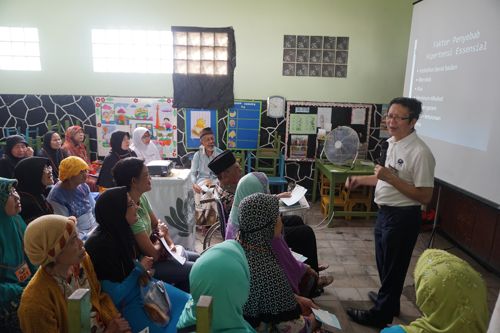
(177, 254)
(297, 194)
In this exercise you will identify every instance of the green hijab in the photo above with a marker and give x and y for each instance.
(254, 182)
(210, 277)
(450, 294)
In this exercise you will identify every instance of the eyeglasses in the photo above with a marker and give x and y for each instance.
(396, 118)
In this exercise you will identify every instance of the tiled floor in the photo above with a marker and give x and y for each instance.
(348, 248)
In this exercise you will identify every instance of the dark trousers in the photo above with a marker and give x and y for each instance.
(301, 239)
(396, 232)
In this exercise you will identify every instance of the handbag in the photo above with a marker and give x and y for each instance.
(156, 302)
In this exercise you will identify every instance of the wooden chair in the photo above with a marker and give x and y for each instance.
(267, 159)
(363, 195)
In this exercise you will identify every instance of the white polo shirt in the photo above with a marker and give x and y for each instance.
(413, 162)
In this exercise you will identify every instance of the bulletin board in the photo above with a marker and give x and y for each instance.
(196, 120)
(126, 113)
(306, 119)
(243, 127)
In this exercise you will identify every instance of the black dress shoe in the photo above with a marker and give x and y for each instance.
(365, 317)
(373, 297)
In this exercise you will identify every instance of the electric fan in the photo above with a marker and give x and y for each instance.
(341, 146)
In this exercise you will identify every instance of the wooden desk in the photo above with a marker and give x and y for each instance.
(338, 174)
(172, 201)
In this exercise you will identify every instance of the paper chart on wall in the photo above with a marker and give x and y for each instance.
(358, 116)
(199, 120)
(324, 117)
(303, 123)
(128, 113)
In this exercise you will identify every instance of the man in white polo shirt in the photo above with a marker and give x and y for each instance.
(403, 184)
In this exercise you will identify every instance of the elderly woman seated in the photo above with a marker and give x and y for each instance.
(52, 242)
(15, 269)
(450, 294)
(148, 230)
(16, 148)
(71, 195)
(34, 174)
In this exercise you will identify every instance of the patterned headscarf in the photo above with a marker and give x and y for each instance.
(271, 297)
(450, 294)
(6, 185)
(73, 147)
(46, 237)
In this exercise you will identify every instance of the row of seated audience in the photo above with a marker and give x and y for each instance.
(256, 283)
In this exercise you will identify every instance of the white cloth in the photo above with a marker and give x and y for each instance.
(414, 163)
(147, 152)
(494, 326)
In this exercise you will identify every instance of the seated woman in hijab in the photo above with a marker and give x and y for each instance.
(52, 149)
(74, 143)
(114, 255)
(51, 241)
(16, 148)
(271, 305)
(297, 236)
(15, 268)
(34, 174)
(142, 145)
(119, 142)
(209, 277)
(148, 230)
(71, 195)
(451, 296)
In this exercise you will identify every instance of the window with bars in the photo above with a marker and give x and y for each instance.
(203, 67)
(19, 49)
(201, 52)
(132, 51)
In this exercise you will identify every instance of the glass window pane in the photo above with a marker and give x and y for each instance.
(180, 66)
(180, 52)
(220, 53)
(193, 67)
(207, 67)
(207, 53)
(221, 67)
(194, 53)
(207, 38)
(194, 38)
(180, 38)
(221, 39)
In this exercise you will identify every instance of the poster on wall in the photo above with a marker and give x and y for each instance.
(196, 120)
(127, 113)
(244, 125)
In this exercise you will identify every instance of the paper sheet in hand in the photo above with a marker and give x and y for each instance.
(297, 193)
(329, 320)
(299, 256)
(177, 254)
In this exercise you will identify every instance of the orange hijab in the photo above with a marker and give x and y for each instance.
(73, 147)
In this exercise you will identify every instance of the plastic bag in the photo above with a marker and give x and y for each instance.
(156, 302)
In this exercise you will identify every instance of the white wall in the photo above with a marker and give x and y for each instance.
(378, 31)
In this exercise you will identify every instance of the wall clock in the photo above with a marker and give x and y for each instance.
(276, 106)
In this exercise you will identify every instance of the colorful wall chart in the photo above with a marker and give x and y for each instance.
(196, 120)
(244, 125)
(126, 113)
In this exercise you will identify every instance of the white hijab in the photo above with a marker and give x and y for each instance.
(147, 152)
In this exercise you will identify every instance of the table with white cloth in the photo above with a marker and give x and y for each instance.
(172, 200)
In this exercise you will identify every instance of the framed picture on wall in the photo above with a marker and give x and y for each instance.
(196, 120)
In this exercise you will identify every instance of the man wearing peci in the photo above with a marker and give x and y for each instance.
(403, 184)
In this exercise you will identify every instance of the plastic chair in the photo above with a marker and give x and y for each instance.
(186, 160)
(280, 179)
